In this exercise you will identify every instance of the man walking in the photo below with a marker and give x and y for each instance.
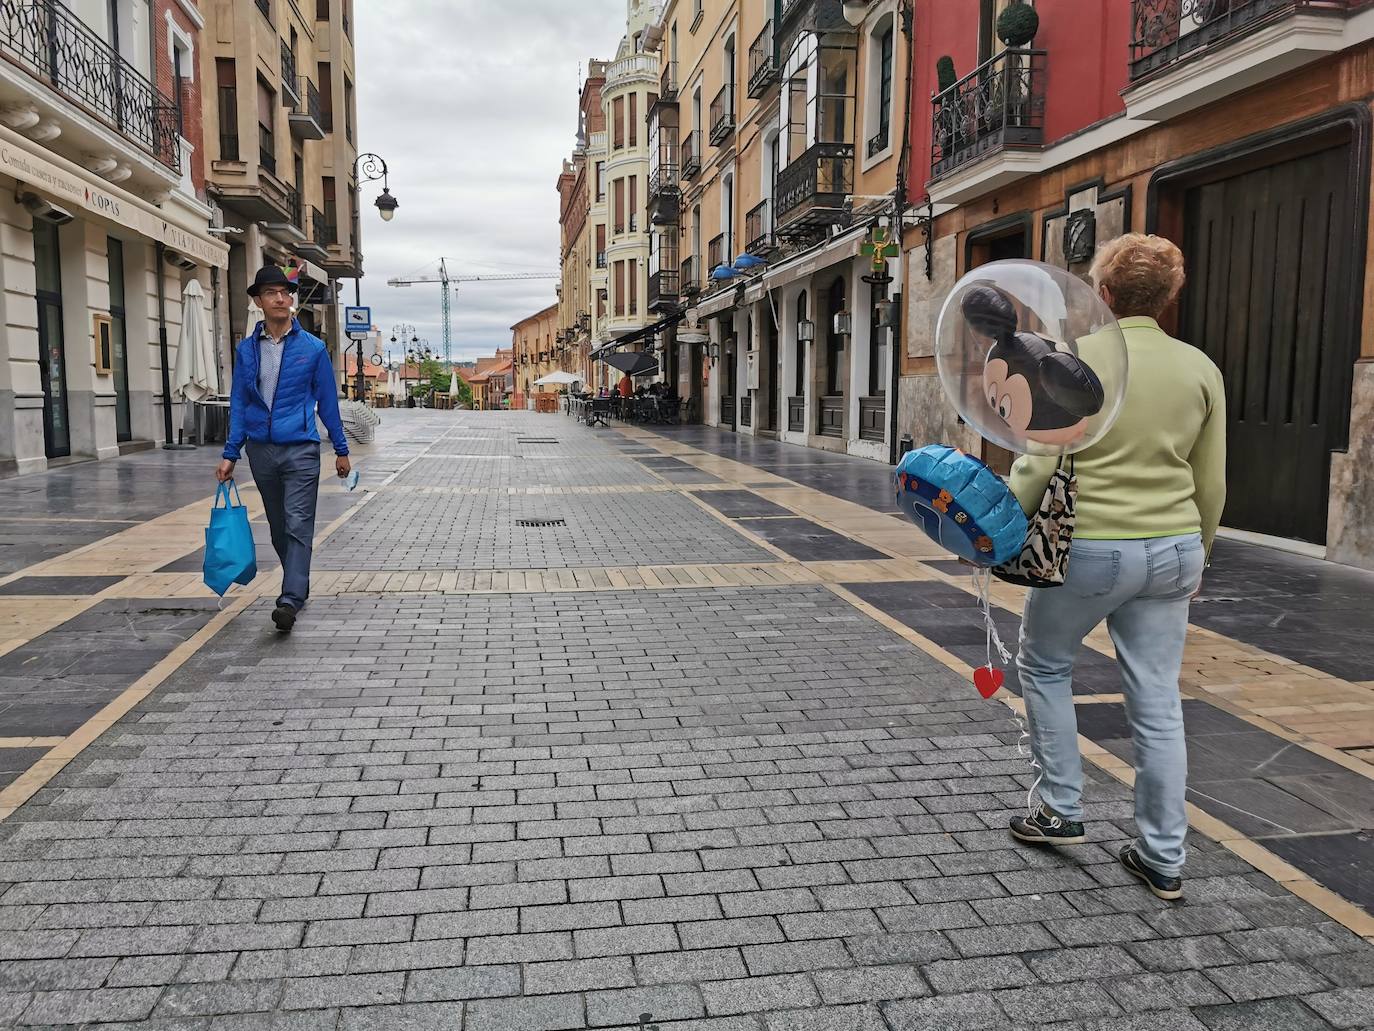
(282, 375)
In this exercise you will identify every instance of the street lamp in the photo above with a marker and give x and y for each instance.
(420, 352)
(368, 168)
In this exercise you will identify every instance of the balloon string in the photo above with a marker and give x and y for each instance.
(982, 584)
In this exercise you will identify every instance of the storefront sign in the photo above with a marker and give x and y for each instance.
(70, 187)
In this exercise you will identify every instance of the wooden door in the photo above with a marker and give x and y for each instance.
(1265, 300)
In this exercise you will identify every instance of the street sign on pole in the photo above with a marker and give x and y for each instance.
(358, 323)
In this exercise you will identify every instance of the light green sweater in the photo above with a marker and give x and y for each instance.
(1161, 469)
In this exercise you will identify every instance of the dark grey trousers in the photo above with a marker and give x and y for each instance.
(288, 479)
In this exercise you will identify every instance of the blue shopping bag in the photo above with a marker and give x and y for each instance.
(230, 556)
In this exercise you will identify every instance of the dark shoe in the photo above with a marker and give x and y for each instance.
(1046, 827)
(1164, 886)
(285, 618)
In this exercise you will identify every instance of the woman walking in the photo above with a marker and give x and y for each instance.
(1150, 496)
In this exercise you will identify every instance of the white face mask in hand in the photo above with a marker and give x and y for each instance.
(351, 480)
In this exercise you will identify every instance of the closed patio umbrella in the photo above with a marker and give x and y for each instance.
(197, 372)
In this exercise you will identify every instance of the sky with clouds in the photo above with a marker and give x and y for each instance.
(473, 105)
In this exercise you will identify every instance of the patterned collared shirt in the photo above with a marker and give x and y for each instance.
(269, 368)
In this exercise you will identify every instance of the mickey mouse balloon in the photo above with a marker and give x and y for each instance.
(1031, 357)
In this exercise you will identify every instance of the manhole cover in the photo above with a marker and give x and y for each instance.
(541, 522)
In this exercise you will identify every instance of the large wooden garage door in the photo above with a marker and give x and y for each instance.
(1266, 299)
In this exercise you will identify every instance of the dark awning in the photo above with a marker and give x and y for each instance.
(639, 335)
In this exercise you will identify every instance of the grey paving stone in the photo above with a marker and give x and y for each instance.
(793, 957)
(831, 1018)
(903, 947)
(1141, 993)
(55, 974)
(1082, 964)
(1003, 939)
(692, 965)
(971, 1011)
(870, 984)
(549, 1012)
(82, 1006)
(1184, 953)
(304, 993)
(962, 975)
(1345, 1007)
(759, 994)
(577, 975)
(216, 997)
(433, 1016)
(411, 955)
(520, 948)
(1288, 1014)
(458, 983)
(1247, 981)
(644, 1005)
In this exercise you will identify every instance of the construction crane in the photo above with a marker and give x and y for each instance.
(447, 282)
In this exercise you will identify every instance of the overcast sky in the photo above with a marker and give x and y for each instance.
(473, 105)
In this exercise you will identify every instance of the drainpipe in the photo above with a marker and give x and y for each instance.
(906, 14)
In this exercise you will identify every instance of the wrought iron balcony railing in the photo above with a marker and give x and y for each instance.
(663, 194)
(763, 65)
(667, 83)
(812, 191)
(663, 289)
(689, 276)
(267, 149)
(55, 47)
(1164, 32)
(307, 113)
(290, 91)
(999, 104)
(878, 142)
(719, 252)
(691, 155)
(723, 115)
(758, 230)
(323, 232)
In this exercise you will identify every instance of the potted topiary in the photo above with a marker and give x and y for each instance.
(1017, 24)
(1016, 28)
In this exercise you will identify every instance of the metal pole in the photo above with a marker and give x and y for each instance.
(358, 302)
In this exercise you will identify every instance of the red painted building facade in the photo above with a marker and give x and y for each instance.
(1236, 127)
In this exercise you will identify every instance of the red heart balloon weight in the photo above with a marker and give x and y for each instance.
(987, 680)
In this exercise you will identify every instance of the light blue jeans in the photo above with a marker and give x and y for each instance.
(1142, 589)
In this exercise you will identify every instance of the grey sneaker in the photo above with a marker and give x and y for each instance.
(1046, 827)
(1164, 886)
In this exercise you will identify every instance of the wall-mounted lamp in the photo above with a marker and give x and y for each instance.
(844, 323)
(806, 331)
(855, 11)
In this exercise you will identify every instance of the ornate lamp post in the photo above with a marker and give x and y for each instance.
(369, 168)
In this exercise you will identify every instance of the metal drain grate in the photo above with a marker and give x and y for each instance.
(541, 522)
(538, 440)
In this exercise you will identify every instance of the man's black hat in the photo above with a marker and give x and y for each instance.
(270, 275)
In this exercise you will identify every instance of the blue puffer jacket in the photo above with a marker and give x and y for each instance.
(306, 383)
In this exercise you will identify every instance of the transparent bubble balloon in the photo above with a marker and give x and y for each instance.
(1031, 357)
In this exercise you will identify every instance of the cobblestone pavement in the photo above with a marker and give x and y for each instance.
(675, 770)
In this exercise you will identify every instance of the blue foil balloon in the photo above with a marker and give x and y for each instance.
(961, 504)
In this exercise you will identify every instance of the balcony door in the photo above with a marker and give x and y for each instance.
(52, 353)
